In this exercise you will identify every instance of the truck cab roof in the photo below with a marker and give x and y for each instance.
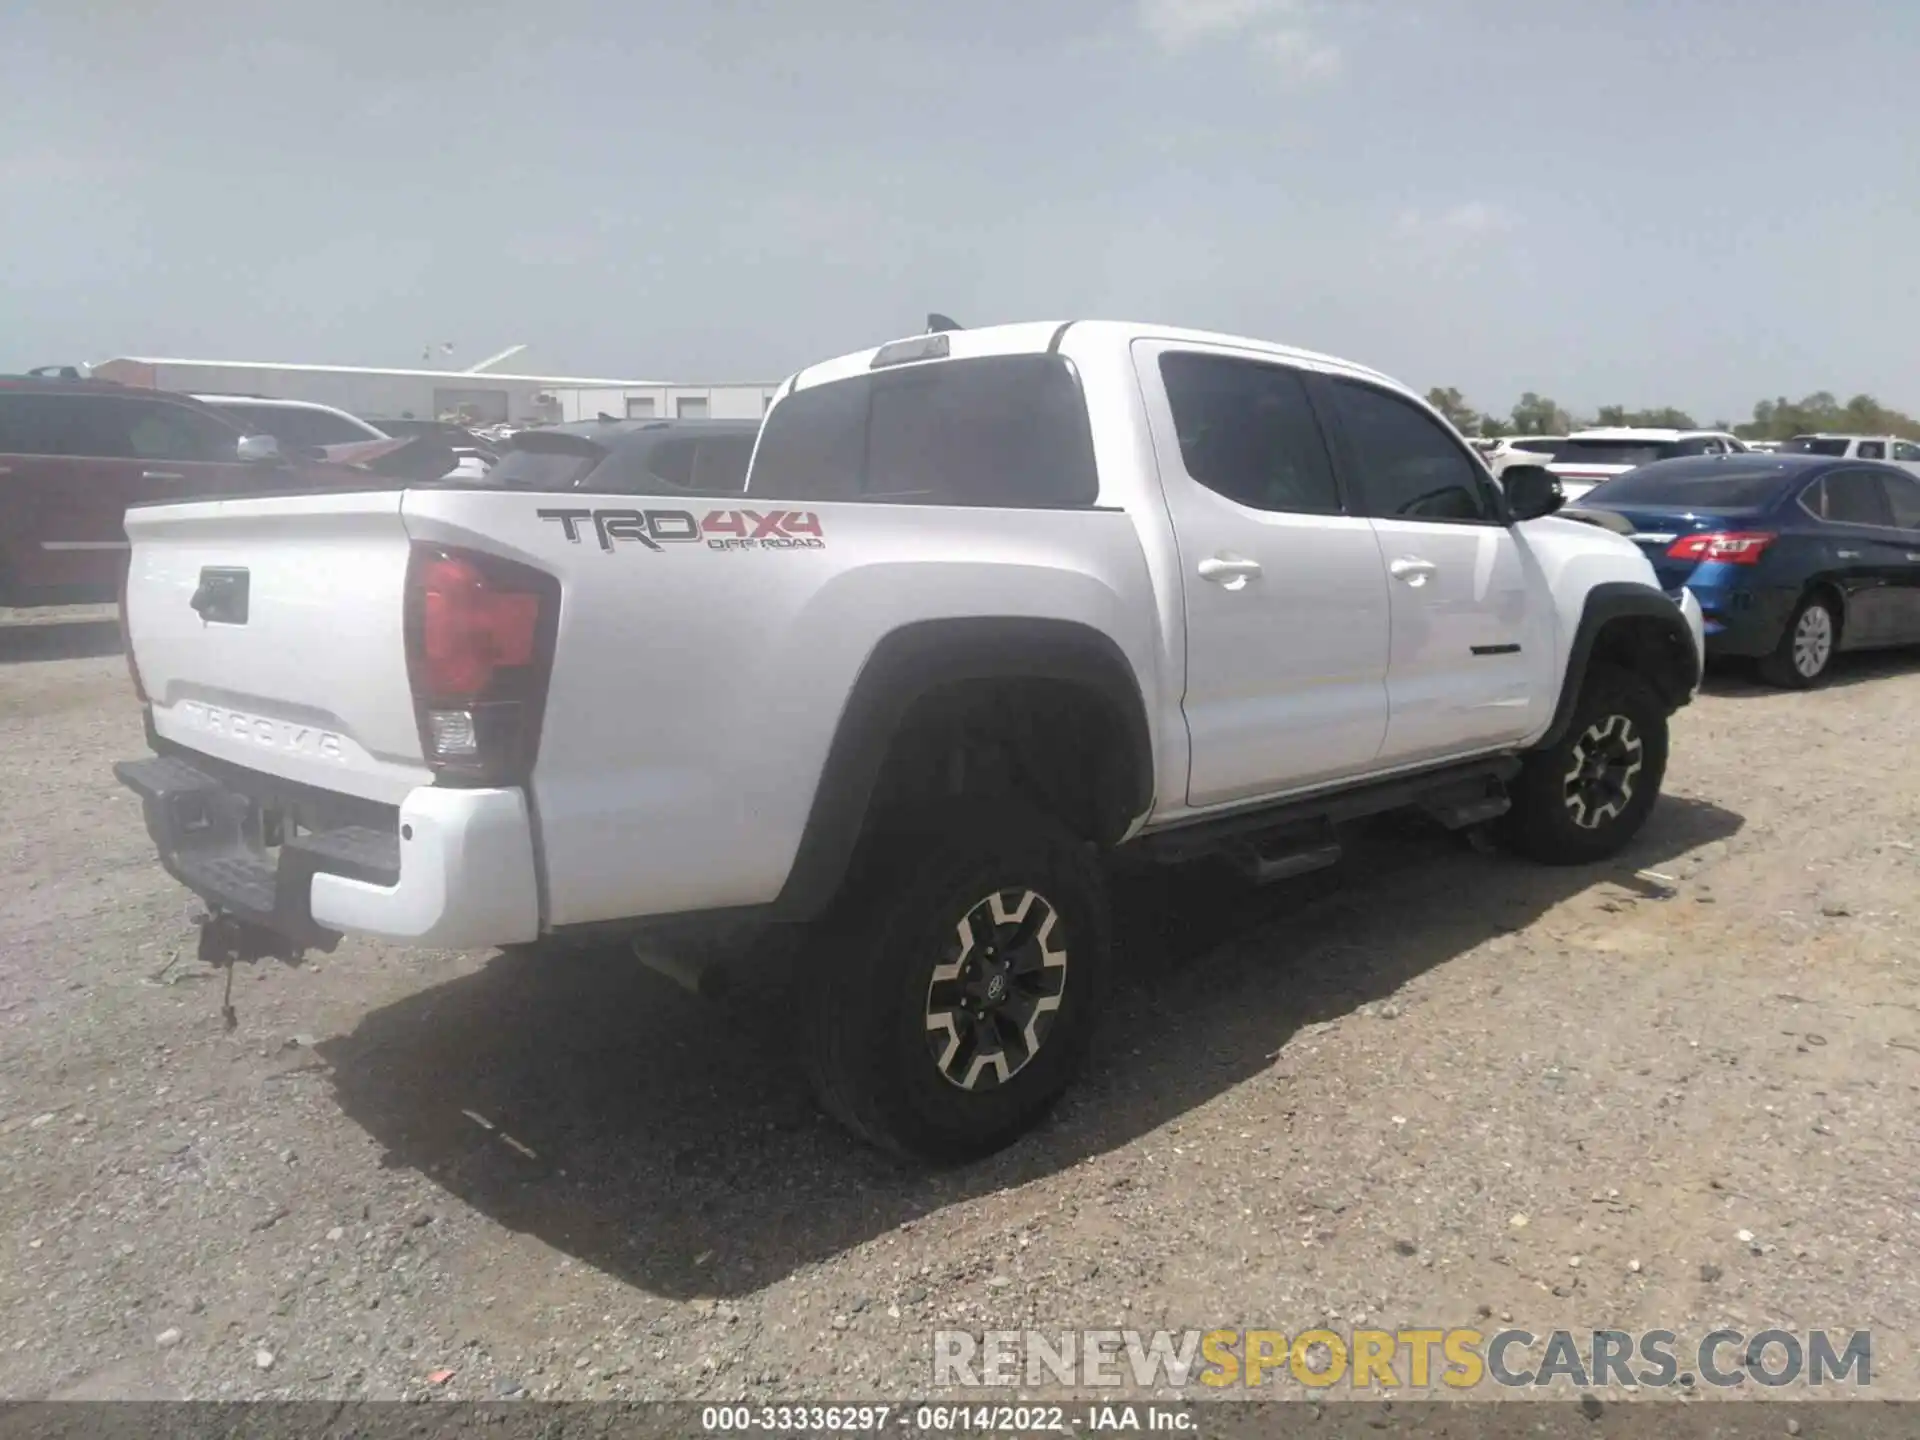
(1043, 336)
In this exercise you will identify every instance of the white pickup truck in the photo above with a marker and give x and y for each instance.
(995, 604)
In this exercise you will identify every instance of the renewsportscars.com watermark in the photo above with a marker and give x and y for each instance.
(1454, 1359)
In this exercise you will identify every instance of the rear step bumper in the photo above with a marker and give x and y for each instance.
(448, 868)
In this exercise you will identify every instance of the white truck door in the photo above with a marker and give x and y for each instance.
(1471, 651)
(1286, 597)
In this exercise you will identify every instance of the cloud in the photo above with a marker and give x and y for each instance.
(1469, 219)
(1279, 29)
(1301, 54)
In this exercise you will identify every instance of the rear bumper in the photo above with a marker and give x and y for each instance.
(1690, 611)
(447, 868)
(1743, 622)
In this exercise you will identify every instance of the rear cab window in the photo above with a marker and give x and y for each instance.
(1613, 452)
(995, 430)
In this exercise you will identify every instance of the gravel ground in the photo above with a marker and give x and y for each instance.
(1432, 1087)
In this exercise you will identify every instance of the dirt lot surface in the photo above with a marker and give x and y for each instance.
(1434, 1087)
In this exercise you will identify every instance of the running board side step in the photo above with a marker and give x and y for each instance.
(1470, 804)
(1267, 859)
(1273, 842)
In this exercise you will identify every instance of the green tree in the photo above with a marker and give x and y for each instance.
(1782, 419)
(1538, 415)
(1665, 418)
(1452, 404)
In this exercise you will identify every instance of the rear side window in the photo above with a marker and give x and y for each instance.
(704, 464)
(545, 462)
(720, 463)
(1849, 497)
(1904, 495)
(1006, 430)
(1247, 431)
(41, 424)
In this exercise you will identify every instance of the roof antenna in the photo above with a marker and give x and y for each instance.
(936, 323)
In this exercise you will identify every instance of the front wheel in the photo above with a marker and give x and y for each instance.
(1583, 798)
(950, 1001)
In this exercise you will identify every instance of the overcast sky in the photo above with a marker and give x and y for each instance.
(1695, 202)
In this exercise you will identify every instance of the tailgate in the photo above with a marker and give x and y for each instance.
(298, 665)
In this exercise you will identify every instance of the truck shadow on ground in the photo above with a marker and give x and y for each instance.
(669, 1142)
(58, 640)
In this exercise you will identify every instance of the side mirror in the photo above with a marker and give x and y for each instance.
(1532, 491)
(259, 449)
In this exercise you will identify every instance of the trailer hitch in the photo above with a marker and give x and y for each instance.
(226, 941)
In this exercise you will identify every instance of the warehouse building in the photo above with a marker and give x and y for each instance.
(481, 397)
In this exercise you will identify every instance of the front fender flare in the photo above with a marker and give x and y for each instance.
(1673, 668)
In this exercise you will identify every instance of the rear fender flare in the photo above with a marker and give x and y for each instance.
(917, 658)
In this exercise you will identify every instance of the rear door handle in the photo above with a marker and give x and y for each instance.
(1852, 554)
(1913, 554)
(1231, 572)
(1412, 569)
(161, 475)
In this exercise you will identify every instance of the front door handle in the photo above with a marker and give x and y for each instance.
(1848, 554)
(161, 475)
(1230, 572)
(1412, 569)
(1913, 554)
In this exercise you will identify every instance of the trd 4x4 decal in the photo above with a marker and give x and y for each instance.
(720, 529)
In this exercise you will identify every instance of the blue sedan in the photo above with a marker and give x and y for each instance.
(1793, 558)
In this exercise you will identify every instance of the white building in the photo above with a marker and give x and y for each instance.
(483, 397)
(628, 400)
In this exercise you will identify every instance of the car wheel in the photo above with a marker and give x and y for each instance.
(1807, 646)
(1587, 795)
(950, 1000)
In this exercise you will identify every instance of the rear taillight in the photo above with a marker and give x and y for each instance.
(480, 634)
(126, 639)
(1733, 547)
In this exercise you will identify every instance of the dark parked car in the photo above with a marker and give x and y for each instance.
(457, 438)
(1793, 558)
(631, 457)
(74, 454)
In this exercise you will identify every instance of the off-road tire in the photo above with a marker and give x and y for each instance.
(1586, 796)
(865, 995)
(1800, 661)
